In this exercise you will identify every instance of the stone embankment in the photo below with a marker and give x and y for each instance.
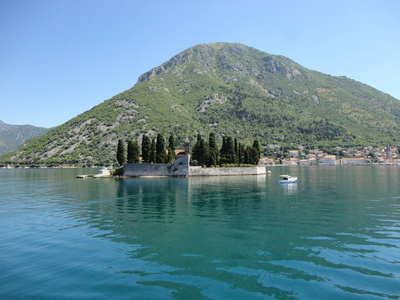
(181, 168)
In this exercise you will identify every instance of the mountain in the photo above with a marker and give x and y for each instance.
(12, 136)
(230, 89)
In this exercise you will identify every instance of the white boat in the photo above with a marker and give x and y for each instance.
(104, 171)
(287, 179)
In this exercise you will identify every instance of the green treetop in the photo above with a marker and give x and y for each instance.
(153, 151)
(171, 149)
(161, 155)
(120, 152)
(213, 161)
(146, 148)
(133, 152)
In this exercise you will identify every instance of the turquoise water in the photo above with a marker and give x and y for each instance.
(335, 234)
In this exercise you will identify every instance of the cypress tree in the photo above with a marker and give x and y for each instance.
(257, 149)
(223, 152)
(146, 148)
(236, 151)
(240, 153)
(196, 151)
(129, 159)
(230, 150)
(120, 152)
(253, 156)
(256, 145)
(213, 157)
(205, 152)
(171, 149)
(153, 151)
(133, 152)
(161, 155)
(246, 155)
(212, 141)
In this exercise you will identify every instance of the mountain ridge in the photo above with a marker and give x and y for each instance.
(12, 136)
(230, 89)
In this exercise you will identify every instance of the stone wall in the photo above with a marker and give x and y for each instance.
(179, 168)
(199, 171)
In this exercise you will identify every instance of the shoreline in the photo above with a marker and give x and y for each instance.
(260, 166)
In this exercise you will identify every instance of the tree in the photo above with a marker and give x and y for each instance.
(253, 156)
(196, 151)
(231, 150)
(129, 159)
(201, 151)
(205, 151)
(223, 152)
(146, 149)
(161, 156)
(257, 154)
(241, 153)
(236, 151)
(228, 154)
(153, 151)
(171, 149)
(246, 155)
(256, 145)
(120, 152)
(133, 152)
(213, 156)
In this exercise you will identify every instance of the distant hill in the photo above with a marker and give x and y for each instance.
(12, 136)
(231, 89)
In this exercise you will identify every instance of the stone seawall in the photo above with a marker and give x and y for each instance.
(181, 168)
(240, 171)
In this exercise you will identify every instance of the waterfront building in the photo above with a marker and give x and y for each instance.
(361, 161)
(328, 160)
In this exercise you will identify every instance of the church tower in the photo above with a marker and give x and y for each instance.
(388, 152)
(187, 146)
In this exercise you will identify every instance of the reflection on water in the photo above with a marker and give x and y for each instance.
(334, 233)
(289, 188)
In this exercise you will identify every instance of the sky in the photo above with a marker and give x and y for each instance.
(61, 58)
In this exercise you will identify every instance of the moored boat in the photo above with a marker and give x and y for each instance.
(287, 179)
(104, 171)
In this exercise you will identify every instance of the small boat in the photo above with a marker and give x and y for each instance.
(104, 171)
(287, 179)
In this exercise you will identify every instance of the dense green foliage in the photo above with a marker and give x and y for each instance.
(232, 90)
(120, 152)
(231, 153)
(153, 152)
(171, 149)
(146, 149)
(200, 152)
(213, 155)
(161, 155)
(133, 152)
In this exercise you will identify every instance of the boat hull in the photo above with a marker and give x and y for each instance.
(288, 181)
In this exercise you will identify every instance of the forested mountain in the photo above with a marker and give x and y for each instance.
(12, 136)
(230, 89)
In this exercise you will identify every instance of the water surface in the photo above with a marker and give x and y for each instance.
(335, 234)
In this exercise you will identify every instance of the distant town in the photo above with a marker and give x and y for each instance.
(350, 156)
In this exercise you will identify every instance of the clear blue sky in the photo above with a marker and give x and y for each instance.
(61, 58)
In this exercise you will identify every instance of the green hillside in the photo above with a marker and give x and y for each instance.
(230, 89)
(12, 136)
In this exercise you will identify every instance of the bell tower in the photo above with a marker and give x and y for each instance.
(187, 146)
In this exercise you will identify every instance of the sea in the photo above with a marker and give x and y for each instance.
(335, 234)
